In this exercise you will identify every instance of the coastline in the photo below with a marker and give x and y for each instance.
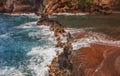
(97, 52)
(83, 53)
(88, 60)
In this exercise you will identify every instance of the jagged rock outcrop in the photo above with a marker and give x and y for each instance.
(55, 6)
(61, 65)
(95, 60)
(64, 60)
(101, 7)
(75, 6)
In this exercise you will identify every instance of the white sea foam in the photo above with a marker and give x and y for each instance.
(93, 38)
(86, 41)
(10, 71)
(32, 15)
(27, 25)
(41, 56)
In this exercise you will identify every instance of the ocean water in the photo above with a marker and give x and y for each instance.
(25, 49)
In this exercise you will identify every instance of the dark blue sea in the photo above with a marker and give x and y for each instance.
(25, 49)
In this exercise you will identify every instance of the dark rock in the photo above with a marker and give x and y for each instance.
(101, 9)
(46, 21)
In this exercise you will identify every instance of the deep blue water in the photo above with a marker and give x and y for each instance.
(16, 42)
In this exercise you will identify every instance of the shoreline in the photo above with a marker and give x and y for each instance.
(62, 13)
(72, 62)
(94, 52)
(86, 60)
(57, 14)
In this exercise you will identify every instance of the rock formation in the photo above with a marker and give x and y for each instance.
(61, 65)
(21, 6)
(55, 6)
(95, 60)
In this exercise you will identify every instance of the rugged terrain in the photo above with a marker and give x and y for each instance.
(57, 6)
(99, 58)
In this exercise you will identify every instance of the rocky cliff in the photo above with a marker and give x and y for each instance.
(49, 6)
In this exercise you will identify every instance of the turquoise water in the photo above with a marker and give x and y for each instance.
(23, 46)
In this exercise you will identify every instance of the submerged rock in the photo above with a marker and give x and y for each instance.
(46, 21)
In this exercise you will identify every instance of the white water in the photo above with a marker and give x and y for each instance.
(39, 56)
(91, 39)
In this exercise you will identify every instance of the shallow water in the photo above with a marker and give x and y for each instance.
(107, 24)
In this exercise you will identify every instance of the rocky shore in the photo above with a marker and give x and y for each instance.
(97, 59)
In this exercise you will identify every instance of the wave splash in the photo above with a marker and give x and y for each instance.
(36, 60)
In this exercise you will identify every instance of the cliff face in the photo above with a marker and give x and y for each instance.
(20, 6)
(24, 6)
(2, 8)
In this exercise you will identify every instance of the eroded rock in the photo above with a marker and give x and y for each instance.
(95, 60)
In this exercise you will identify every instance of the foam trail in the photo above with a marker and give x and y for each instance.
(42, 56)
(91, 39)
(10, 71)
(27, 25)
